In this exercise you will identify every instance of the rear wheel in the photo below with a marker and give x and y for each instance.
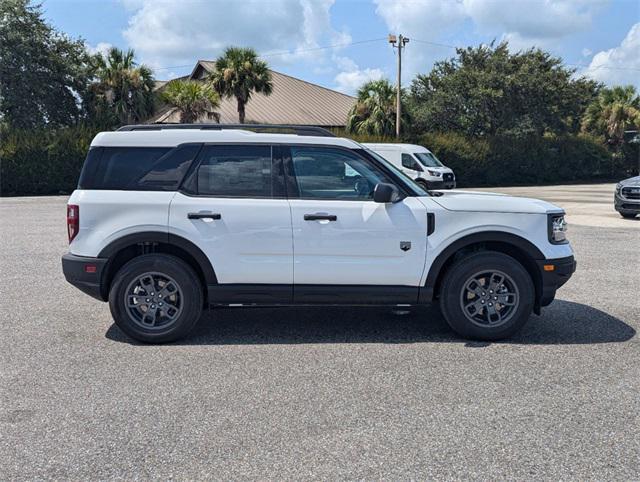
(487, 296)
(156, 298)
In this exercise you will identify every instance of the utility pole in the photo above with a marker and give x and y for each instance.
(398, 43)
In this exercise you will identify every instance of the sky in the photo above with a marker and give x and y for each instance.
(340, 44)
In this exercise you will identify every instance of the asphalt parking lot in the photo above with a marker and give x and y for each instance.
(321, 393)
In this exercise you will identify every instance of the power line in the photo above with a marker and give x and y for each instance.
(312, 49)
(604, 67)
(434, 43)
(566, 63)
(359, 42)
(295, 51)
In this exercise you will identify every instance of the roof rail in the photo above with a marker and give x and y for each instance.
(258, 128)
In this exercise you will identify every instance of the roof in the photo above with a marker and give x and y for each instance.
(174, 137)
(391, 145)
(293, 101)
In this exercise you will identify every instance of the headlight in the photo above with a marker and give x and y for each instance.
(618, 187)
(557, 229)
(434, 173)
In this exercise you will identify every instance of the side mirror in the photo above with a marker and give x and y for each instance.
(386, 193)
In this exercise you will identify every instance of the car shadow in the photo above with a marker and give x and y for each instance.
(563, 322)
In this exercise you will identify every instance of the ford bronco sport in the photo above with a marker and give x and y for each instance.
(170, 219)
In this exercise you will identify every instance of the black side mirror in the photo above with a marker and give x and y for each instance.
(386, 193)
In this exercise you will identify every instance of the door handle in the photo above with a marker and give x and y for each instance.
(320, 217)
(204, 216)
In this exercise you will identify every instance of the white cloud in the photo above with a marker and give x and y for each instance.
(101, 48)
(349, 81)
(619, 65)
(419, 18)
(524, 23)
(587, 52)
(166, 33)
(537, 21)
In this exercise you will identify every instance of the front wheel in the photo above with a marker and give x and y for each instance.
(628, 215)
(156, 298)
(487, 296)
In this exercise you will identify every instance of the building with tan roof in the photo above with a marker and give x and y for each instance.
(293, 101)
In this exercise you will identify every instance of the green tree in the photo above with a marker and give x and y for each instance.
(43, 73)
(374, 112)
(239, 73)
(194, 100)
(487, 90)
(615, 111)
(123, 88)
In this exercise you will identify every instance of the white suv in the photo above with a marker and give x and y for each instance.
(417, 162)
(168, 220)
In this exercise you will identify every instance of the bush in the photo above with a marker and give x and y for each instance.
(505, 160)
(43, 161)
(364, 137)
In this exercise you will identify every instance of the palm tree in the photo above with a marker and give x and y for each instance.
(374, 112)
(239, 73)
(616, 110)
(194, 100)
(124, 86)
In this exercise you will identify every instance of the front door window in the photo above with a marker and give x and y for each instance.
(329, 173)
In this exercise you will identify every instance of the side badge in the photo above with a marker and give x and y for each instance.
(405, 245)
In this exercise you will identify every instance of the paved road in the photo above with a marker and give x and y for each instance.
(586, 204)
(315, 393)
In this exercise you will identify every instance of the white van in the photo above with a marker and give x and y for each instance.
(419, 163)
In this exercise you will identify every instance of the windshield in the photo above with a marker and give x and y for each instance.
(408, 181)
(427, 159)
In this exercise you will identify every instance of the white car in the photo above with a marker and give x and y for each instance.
(417, 162)
(168, 220)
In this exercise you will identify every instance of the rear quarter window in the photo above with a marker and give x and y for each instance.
(137, 168)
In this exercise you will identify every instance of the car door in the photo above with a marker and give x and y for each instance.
(340, 235)
(410, 165)
(232, 206)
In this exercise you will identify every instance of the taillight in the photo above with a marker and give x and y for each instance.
(73, 220)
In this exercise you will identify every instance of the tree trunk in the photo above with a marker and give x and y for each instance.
(241, 111)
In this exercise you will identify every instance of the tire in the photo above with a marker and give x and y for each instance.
(628, 215)
(158, 316)
(422, 183)
(458, 290)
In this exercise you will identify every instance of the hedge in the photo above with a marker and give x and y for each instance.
(504, 161)
(46, 161)
(38, 162)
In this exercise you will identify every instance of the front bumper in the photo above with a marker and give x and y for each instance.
(85, 274)
(441, 184)
(554, 273)
(626, 205)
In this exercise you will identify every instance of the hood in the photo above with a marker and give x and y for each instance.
(632, 181)
(473, 201)
(439, 168)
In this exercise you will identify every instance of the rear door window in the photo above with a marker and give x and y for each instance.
(167, 173)
(243, 171)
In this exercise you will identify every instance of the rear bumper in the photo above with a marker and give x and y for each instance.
(80, 272)
(552, 279)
